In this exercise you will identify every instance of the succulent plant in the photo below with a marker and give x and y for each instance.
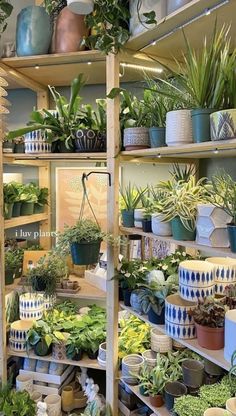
(209, 313)
(215, 394)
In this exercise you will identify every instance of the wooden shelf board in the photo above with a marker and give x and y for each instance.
(24, 220)
(190, 244)
(85, 362)
(216, 356)
(168, 34)
(221, 148)
(159, 411)
(11, 158)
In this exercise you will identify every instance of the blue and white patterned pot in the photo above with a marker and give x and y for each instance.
(193, 294)
(29, 301)
(196, 273)
(35, 142)
(19, 329)
(17, 345)
(224, 269)
(180, 331)
(135, 301)
(177, 310)
(220, 288)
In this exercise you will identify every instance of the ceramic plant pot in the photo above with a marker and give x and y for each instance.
(31, 306)
(193, 373)
(179, 231)
(147, 225)
(136, 138)
(173, 390)
(232, 237)
(201, 124)
(180, 331)
(212, 369)
(225, 272)
(178, 128)
(8, 147)
(24, 382)
(27, 208)
(88, 140)
(131, 366)
(135, 301)
(35, 142)
(69, 30)
(177, 310)
(102, 352)
(80, 6)
(127, 296)
(160, 227)
(9, 275)
(41, 349)
(127, 218)
(215, 411)
(53, 402)
(36, 396)
(156, 401)
(196, 280)
(93, 355)
(16, 209)
(223, 125)
(8, 211)
(138, 217)
(33, 31)
(231, 406)
(18, 346)
(160, 342)
(156, 319)
(210, 338)
(173, 5)
(150, 358)
(19, 148)
(211, 226)
(157, 136)
(19, 329)
(85, 253)
(38, 209)
(230, 334)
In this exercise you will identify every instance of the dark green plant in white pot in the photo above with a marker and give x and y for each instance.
(82, 241)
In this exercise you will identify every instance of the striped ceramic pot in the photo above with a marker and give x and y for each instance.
(193, 294)
(160, 342)
(177, 310)
(19, 329)
(196, 273)
(180, 331)
(131, 366)
(17, 345)
(224, 269)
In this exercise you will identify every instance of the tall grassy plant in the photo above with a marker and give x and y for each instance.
(131, 196)
(222, 193)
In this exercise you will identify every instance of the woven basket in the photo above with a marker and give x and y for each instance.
(150, 358)
(178, 128)
(160, 342)
(131, 366)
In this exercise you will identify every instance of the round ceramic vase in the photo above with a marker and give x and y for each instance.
(136, 138)
(33, 31)
(160, 227)
(53, 402)
(24, 382)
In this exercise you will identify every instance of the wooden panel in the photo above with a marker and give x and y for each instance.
(25, 158)
(45, 226)
(20, 79)
(24, 220)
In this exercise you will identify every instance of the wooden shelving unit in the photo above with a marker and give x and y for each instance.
(24, 220)
(190, 244)
(51, 157)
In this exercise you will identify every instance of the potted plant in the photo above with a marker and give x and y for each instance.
(209, 318)
(180, 205)
(155, 387)
(215, 394)
(74, 347)
(127, 343)
(158, 225)
(131, 275)
(83, 241)
(10, 267)
(19, 146)
(144, 379)
(130, 199)
(173, 389)
(10, 195)
(40, 338)
(28, 198)
(16, 403)
(221, 190)
(42, 196)
(16, 211)
(186, 405)
(94, 338)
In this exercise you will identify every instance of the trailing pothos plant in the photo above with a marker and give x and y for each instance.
(109, 24)
(134, 337)
(16, 403)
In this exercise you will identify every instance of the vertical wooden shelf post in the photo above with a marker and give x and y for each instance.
(113, 147)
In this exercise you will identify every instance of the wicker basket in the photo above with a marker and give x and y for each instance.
(160, 342)
(131, 366)
(178, 128)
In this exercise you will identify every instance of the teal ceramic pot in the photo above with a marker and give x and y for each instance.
(201, 124)
(232, 237)
(33, 31)
(127, 218)
(180, 232)
(157, 136)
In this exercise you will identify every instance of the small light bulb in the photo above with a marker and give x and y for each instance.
(208, 12)
(89, 63)
(36, 66)
(216, 151)
(159, 156)
(154, 43)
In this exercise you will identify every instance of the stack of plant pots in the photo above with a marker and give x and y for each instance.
(196, 280)
(224, 272)
(178, 322)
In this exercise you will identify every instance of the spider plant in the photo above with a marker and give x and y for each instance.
(180, 173)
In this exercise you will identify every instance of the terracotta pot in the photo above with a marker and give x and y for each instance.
(69, 30)
(210, 338)
(156, 401)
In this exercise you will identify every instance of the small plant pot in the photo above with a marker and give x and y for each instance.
(232, 237)
(223, 124)
(89, 141)
(19, 148)
(180, 232)
(210, 338)
(8, 147)
(156, 401)
(150, 358)
(127, 218)
(92, 355)
(212, 369)
(8, 210)
(160, 227)
(201, 124)
(127, 296)
(41, 349)
(193, 373)
(102, 352)
(160, 343)
(147, 225)
(38, 284)
(131, 366)
(157, 136)
(156, 319)
(215, 411)
(172, 391)
(27, 208)
(81, 6)
(9, 276)
(142, 391)
(211, 379)
(135, 301)
(16, 209)
(85, 253)
(38, 209)
(60, 147)
(136, 138)
(78, 356)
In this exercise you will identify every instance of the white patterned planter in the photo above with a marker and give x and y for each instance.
(178, 127)
(220, 288)
(131, 366)
(177, 310)
(19, 329)
(193, 294)
(17, 345)
(225, 269)
(196, 273)
(136, 138)
(158, 6)
(31, 306)
(35, 142)
(24, 382)
(160, 227)
(180, 331)
(138, 217)
(211, 226)
(150, 358)
(160, 342)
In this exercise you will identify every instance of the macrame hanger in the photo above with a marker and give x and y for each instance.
(85, 193)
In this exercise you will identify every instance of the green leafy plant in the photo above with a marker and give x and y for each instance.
(12, 192)
(42, 332)
(169, 265)
(209, 313)
(156, 382)
(134, 337)
(16, 403)
(131, 197)
(230, 293)
(43, 196)
(10, 260)
(222, 193)
(153, 297)
(29, 193)
(215, 394)
(53, 7)
(186, 405)
(180, 173)
(5, 12)
(131, 274)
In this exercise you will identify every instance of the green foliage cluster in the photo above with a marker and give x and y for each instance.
(5, 12)
(16, 403)
(134, 337)
(210, 313)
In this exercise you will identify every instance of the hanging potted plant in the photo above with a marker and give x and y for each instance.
(42, 196)
(221, 191)
(130, 198)
(209, 318)
(83, 241)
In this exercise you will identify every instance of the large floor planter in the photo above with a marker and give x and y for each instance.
(8, 210)
(172, 391)
(27, 208)
(179, 231)
(136, 138)
(16, 209)
(33, 32)
(178, 128)
(156, 319)
(89, 141)
(157, 136)
(69, 30)
(173, 5)
(201, 125)
(85, 253)
(210, 338)
(160, 227)
(232, 237)
(223, 125)
(127, 218)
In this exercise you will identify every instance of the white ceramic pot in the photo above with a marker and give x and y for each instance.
(173, 5)
(150, 358)
(225, 269)
(223, 124)
(17, 345)
(53, 402)
(131, 366)
(177, 310)
(80, 6)
(231, 406)
(194, 294)
(102, 352)
(215, 411)
(24, 382)
(37, 396)
(31, 306)
(19, 329)
(160, 227)
(196, 273)
(180, 331)
(136, 138)
(160, 342)
(138, 217)
(178, 128)
(158, 6)
(230, 334)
